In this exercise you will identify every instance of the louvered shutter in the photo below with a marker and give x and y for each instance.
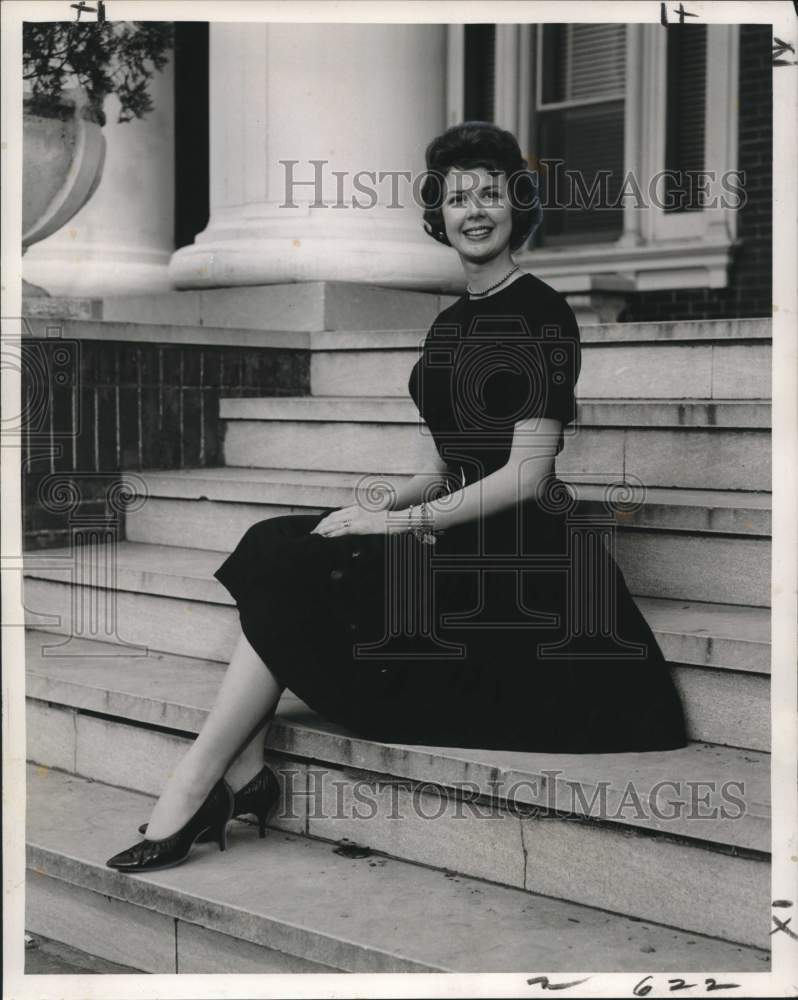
(685, 109)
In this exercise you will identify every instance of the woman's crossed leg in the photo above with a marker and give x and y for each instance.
(230, 743)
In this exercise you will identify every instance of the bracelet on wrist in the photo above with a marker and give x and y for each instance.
(424, 529)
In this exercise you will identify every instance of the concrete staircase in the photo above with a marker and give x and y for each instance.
(391, 858)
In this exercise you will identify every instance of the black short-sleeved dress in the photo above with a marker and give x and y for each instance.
(516, 631)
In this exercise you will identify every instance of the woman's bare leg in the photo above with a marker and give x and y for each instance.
(247, 764)
(248, 695)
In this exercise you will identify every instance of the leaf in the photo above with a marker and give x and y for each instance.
(112, 57)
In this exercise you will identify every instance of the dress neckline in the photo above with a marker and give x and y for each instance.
(486, 298)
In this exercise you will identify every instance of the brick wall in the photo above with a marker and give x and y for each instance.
(749, 292)
(93, 408)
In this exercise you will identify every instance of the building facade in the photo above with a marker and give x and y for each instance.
(653, 146)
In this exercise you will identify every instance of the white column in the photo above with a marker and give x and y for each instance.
(362, 97)
(122, 239)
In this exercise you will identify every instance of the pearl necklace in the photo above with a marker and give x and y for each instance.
(501, 282)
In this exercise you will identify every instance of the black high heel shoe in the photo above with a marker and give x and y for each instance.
(259, 797)
(210, 820)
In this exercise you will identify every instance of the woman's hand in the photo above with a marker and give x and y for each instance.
(353, 520)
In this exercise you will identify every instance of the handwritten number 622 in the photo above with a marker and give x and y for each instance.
(643, 988)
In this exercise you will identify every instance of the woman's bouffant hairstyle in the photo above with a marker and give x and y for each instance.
(481, 144)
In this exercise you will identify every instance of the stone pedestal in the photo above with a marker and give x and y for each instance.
(595, 308)
(303, 120)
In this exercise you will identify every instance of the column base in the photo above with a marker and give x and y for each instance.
(280, 260)
(96, 271)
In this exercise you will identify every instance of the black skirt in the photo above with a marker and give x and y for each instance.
(513, 633)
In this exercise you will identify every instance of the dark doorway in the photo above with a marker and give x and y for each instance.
(480, 72)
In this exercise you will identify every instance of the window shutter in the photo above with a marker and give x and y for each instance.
(685, 107)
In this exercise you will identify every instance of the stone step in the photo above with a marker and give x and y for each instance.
(660, 413)
(295, 904)
(700, 331)
(45, 957)
(717, 568)
(730, 512)
(633, 364)
(300, 306)
(723, 706)
(482, 814)
(724, 637)
(713, 635)
(697, 545)
(174, 693)
(342, 306)
(127, 723)
(168, 334)
(698, 359)
(689, 444)
(166, 599)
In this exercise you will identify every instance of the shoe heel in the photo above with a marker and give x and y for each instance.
(260, 798)
(219, 834)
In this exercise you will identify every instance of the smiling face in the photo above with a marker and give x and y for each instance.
(477, 213)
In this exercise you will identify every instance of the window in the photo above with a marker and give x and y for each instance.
(614, 102)
(580, 96)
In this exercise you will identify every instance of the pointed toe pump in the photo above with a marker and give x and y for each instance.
(259, 798)
(209, 822)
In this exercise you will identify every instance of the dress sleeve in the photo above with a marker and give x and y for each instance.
(412, 383)
(535, 372)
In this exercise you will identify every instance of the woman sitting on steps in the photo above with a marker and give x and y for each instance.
(486, 657)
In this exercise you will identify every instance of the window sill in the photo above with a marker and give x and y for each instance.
(683, 263)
